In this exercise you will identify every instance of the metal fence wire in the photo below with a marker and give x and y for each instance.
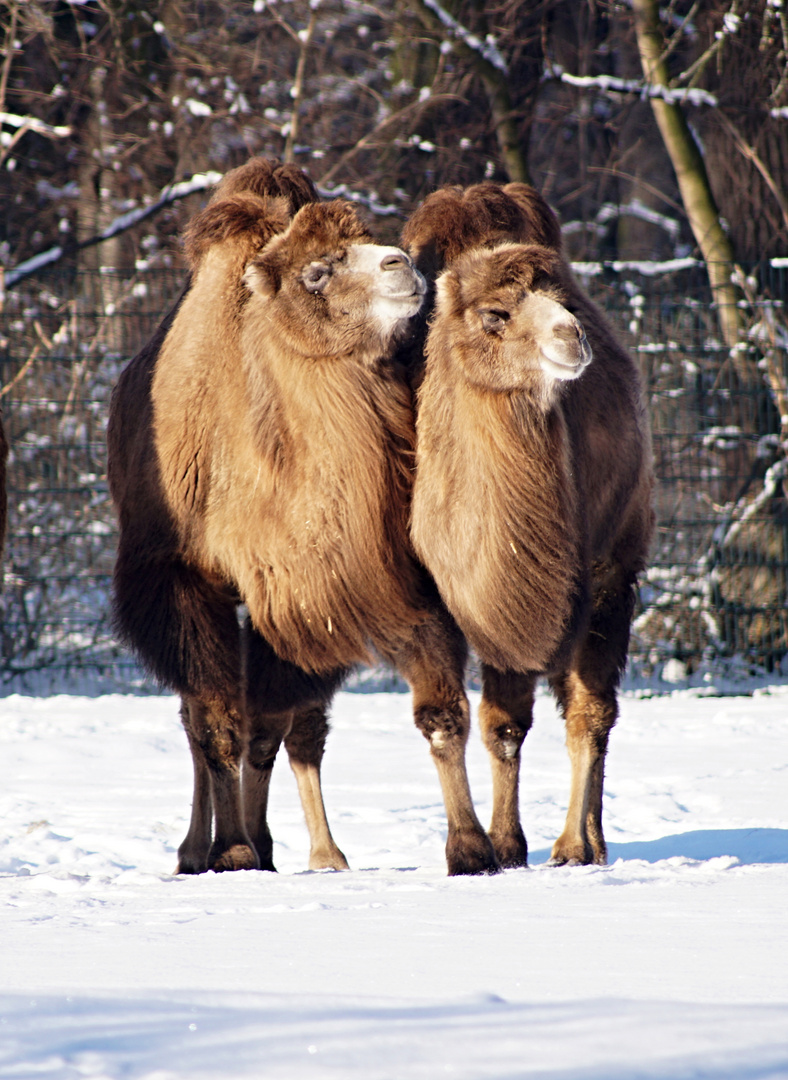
(717, 586)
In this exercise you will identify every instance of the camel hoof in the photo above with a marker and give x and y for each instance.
(190, 863)
(511, 850)
(237, 857)
(471, 853)
(571, 853)
(328, 860)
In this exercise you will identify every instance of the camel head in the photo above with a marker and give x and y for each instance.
(329, 290)
(500, 313)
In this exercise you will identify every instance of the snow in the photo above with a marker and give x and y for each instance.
(671, 962)
(672, 95)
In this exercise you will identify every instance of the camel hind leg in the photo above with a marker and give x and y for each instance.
(193, 852)
(286, 704)
(214, 733)
(305, 744)
(304, 735)
(587, 695)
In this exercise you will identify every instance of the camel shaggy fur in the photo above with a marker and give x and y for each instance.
(532, 504)
(261, 454)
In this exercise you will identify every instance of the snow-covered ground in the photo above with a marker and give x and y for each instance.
(672, 962)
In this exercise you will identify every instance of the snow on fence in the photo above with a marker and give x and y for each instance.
(717, 586)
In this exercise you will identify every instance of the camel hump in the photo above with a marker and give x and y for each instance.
(254, 218)
(452, 220)
(266, 176)
(539, 224)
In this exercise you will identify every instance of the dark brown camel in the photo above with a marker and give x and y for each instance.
(532, 504)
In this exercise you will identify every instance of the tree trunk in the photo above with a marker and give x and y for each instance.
(495, 80)
(693, 183)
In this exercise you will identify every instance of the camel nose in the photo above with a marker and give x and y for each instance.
(395, 261)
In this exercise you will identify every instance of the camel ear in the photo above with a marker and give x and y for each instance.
(263, 276)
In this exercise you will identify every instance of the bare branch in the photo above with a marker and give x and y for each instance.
(752, 155)
(367, 142)
(8, 58)
(297, 91)
(488, 64)
(695, 70)
(122, 224)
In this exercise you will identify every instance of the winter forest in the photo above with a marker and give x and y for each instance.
(658, 134)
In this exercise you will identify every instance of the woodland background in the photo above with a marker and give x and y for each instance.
(659, 135)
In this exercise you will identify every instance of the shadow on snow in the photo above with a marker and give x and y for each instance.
(749, 846)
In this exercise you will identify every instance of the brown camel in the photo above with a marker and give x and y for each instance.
(261, 453)
(532, 505)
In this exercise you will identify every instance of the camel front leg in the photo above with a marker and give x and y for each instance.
(505, 718)
(305, 744)
(587, 694)
(590, 712)
(215, 733)
(434, 665)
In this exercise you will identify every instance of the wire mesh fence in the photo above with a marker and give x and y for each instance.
(716, 590)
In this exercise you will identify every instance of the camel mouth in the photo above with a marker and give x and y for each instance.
(559, 369)
(417, 294)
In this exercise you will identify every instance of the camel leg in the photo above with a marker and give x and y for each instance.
(590, 712)
(505, 718)
(586, 693)
(304, 735)
(434, 665)
(215, 736)
(305, 744)
(266, 734)
(193, 852)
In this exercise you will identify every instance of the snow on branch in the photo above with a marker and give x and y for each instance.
(645, 267)
(370, 200)
(487, 49)
(170, 194)
(612, 83)
(30, 123)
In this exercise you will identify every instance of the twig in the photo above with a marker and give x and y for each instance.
(366, 141)
(10, 38)
(297, 92)
(752, 155)
(696, 69)
(22, 371)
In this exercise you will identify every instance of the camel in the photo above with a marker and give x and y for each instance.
(260, 459)
(532, 504)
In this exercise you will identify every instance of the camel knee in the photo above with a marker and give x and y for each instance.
(504, 740)
(443, 726)
(216, 738)
(262, 751)
(306, 741)
(506, 712)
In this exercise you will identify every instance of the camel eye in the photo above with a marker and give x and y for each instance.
(315, 276)
(494, 319)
